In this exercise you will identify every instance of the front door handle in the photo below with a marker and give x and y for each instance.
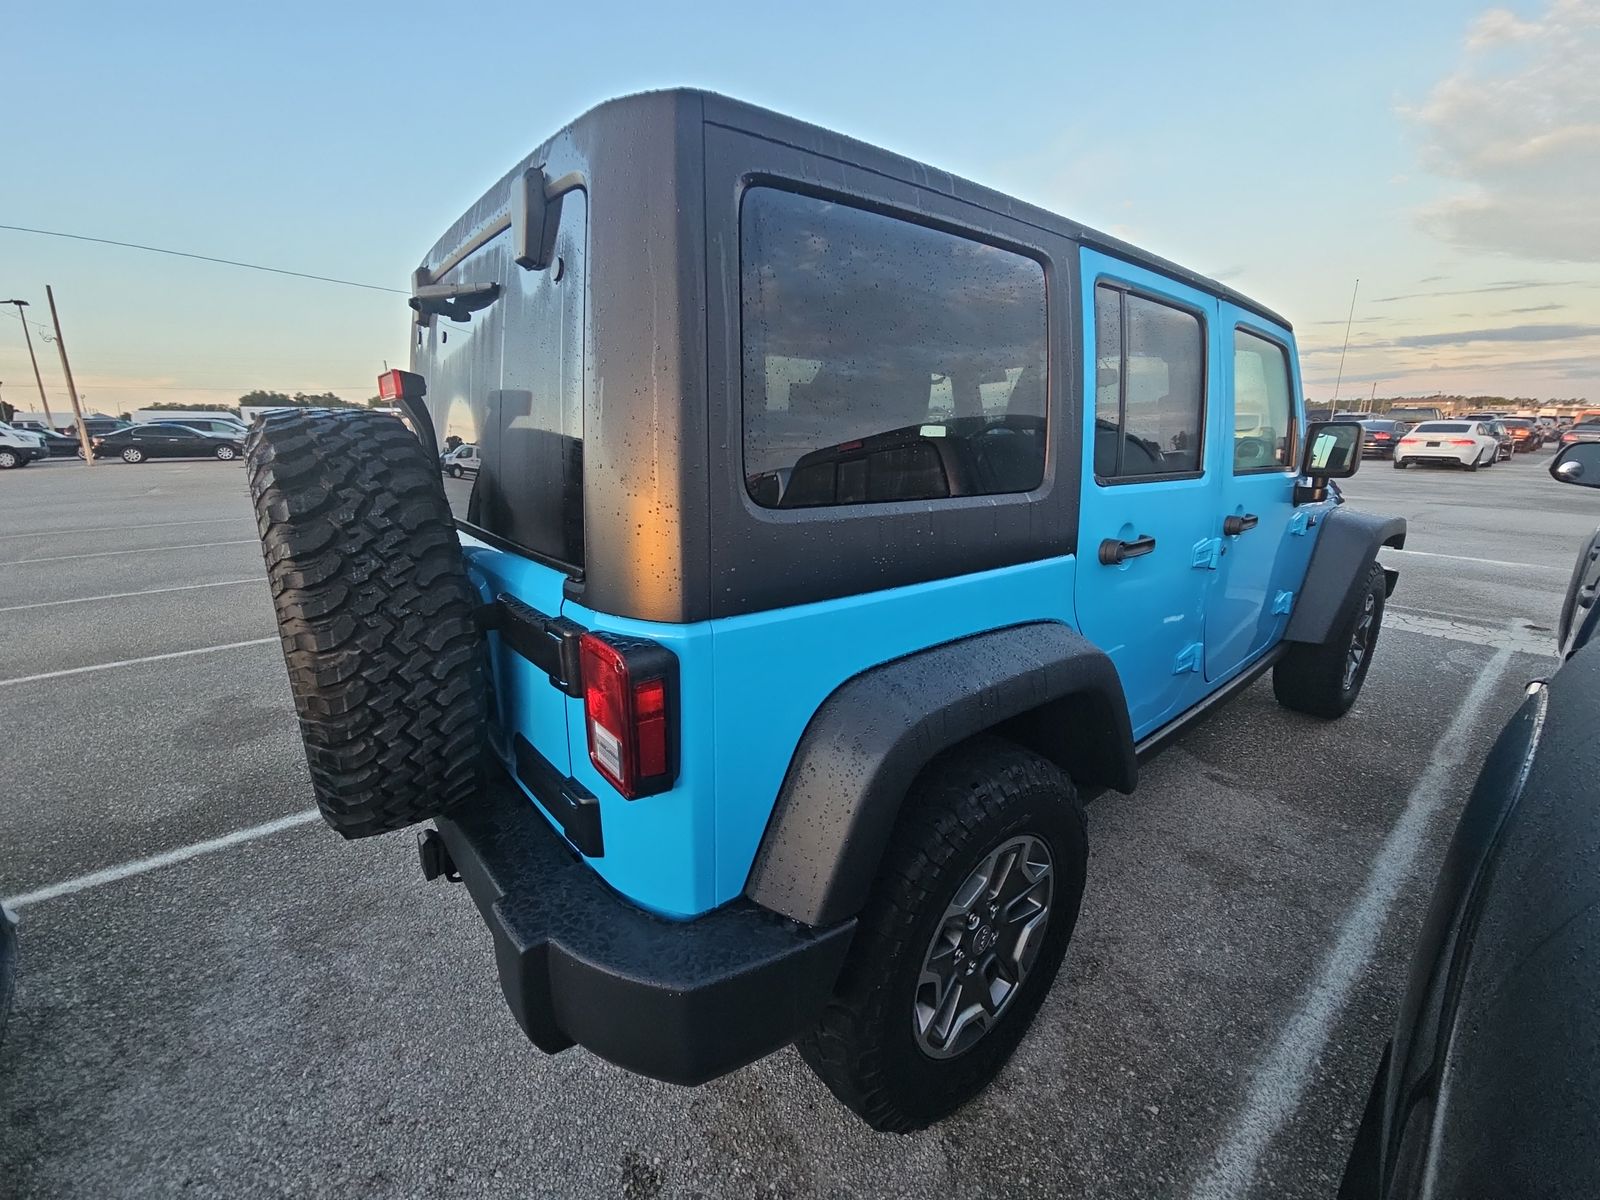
(1233, 526)
(1113, 551)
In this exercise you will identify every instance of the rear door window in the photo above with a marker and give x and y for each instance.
(1150, 392)
(884, 360)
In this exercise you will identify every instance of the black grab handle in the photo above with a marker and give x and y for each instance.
(1113, 551)
(1233, 526)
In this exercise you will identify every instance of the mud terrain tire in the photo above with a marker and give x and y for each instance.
(375, 612)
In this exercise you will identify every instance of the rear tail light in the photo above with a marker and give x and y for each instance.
(1462, 442)
(401, 385)
(1382, 437)
(1409, 441)
(630, 696)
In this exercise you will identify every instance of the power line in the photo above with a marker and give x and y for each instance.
(228, 262)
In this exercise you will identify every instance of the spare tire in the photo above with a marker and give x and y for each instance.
(375, 612)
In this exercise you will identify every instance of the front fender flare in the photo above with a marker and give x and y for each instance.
(1041, 683)
(1348, 543)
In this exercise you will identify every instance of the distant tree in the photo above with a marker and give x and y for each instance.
(260, 399)
(168, 406)
(321, 400)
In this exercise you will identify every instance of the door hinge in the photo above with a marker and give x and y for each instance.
(1208, 553)
(1283, 602)
(549, 643)
(1190, 658)
(1299, 523)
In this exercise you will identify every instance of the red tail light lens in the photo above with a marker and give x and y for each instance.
(629, 693)
(1462, 442)
(402, 385)
(1382, 437)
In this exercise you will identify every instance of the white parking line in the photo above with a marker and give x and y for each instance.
(6, 537)
(1493, 562)
(155, 862)
(1282, 1076)
(187, 587)
(135, 550)
(133, 662)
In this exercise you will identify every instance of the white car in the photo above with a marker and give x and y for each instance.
(463, 460)
(1466, 444)
(18, 448)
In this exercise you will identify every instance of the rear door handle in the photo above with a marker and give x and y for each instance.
(1113, 551)
(1233, 526)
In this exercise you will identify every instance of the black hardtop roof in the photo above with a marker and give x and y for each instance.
(748, 118)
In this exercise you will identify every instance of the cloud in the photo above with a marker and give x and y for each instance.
(1514, 333)
(1503, 285)
(1518, 125)
(1532, 308)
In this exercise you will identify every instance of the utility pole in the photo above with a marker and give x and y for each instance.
(72, 388)
(37, 378)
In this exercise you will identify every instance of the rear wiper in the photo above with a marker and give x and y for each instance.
(458, 301)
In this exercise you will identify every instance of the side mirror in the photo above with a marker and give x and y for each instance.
(1578, 463)
(1333, 450)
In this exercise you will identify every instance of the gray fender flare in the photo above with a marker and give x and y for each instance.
(1348, 544)
(1041, 684)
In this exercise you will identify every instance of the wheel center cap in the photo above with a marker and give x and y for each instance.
(983, 939)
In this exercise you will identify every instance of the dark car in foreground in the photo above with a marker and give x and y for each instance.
(137, 443)
(1379, 436)
(1491, 1083)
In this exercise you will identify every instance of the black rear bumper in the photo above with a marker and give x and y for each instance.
(681, 1001)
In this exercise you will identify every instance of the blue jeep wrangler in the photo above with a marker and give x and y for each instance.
(840, 524)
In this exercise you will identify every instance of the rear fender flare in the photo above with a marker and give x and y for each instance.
(1040, 684)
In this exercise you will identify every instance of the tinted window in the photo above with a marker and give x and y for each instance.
(1441, 427)
(1150, 387)
(511, 383)
(884, 360)
(1263, 405)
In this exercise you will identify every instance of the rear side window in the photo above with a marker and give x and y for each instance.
(883, 360)
(1263, 405)
(1150, 387)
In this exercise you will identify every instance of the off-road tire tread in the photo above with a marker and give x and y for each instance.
(954, 796)
(375, 613)
(1310, 678)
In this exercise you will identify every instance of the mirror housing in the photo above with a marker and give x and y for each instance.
(1579, 463)
(1332, 451)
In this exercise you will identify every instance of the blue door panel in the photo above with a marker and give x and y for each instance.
(1259, 571)
(1149, 613)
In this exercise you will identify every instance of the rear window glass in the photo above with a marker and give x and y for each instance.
(510, 383)
(883, 360)
(1442, 427)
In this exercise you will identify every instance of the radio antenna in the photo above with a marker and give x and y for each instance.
(1346, 349)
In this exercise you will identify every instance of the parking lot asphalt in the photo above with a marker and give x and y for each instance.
(292, 1014)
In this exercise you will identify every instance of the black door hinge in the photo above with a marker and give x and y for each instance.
(549, 643)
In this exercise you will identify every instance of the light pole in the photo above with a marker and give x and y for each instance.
(37, 378)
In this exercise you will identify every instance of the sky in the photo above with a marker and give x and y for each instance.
(1447, 155)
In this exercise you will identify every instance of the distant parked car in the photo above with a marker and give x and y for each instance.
(206, 424)
(1501, 434)
(94, 426)
(463, 460)
(18, 447)
(1413, 414)
(1381, 436)
(1588, 432)
(139, 442)
(1526, 433)
(60, 445)
(1466, 444)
